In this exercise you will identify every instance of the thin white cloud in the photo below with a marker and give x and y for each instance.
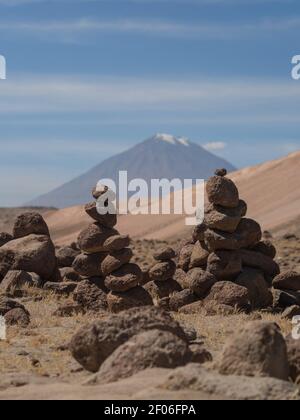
(214, 146)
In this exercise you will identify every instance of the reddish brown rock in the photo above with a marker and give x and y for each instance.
(201, 282)
(108, 220)
(91, 240)
(162, 271)
(125, 278)
(291, 312)
(224, 219)
(99, 190)
(28, 224)
(17, 316)
(61, 288)
(228, 293)
(164, 254)
(69, 274)
(265, 247)
(68, 310)
(259, 293)
(89, 265)
(116, 243)
(198, 233)
(66, 256)
(14, 281)
(115, 260)
(217, 240)
(199, 256)
(288, 280)
(133, 298)
(225, 265)
(91, 295)
(181, 278)
(222, 191)
(260, 261)
(293, 353)
(7, 304)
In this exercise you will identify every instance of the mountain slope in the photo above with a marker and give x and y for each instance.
(162, 156)
(272, 191)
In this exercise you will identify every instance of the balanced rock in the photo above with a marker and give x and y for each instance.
(116, 260)
(221, 172)
(125, 278)
(289, 280)
(69, 274)
(199, 256)
(108, 220)
(164, 254)
(265, 247)
(222, 191)
(66, 256)
(256, 349)
(91, 240)
(163, 271)
(225, 265)
(217, 240)
(89, 265)
(116, 243)
(181, 277)
(201, 282)
(94, 343)
(224, 219)
(286, 298)
(28, 224)
(259, 293)
(99, 190)
(4, 238)
(91, 295)
(146, 350)
(133, 298)
(260, 261)
(230, 294)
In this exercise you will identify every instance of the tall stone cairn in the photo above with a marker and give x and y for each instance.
(110, 280)
(226, 262)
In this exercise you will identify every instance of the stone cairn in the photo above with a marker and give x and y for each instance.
(109, 279)
(226, 264)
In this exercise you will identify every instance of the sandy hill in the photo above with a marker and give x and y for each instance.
(272, 191)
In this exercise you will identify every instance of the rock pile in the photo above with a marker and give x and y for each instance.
(227, 262)
(109, 279)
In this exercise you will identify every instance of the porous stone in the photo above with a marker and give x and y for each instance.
(91, 294)
(132, 298)
(256, 349)
(199, 256)
(259, 293)
(91, 240)
(17, 316)
(66, 256)
(116, 243)
(286, 298)
(185, 257)
(68, 310)
(198, 233)
(162, 289)
(115, 260)
(162, 271)
(265, 247)
(94, 343)
(28, 224)
(201, 282)
(288, 280)
(225, 265)
(222, 191)
(181, 278)
(260, 261)
(125, 278)
(231, 294)
(180, 299)
(99, 190)
(108, 220)
(7, 304)
(89, 265)
(164, 254)
(69, 274)
(224, 219)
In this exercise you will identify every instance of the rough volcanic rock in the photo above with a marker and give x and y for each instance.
(162, 289)
(289, 280)
(198, 233)
(69, 274)
(66, 256)
(28, 224)
(260, 261)
(17, 316)
(108, 220)
(116, 243)
(200, 281)
(225, 265)
(293, 352)
(199, 256)
(259, 293)
(91, 240)
(218, 240)
(228, 293)
(265, 247)
(162, 271)
(164, 254)
(286, 298)
(115, 260)
(61, 288)
(146, 350)
(185, 257)
(91, 295)
(256, 349)
(125, 278)
(180, 299)
(14, 281)
(33, 253)
(96, 342)
(132, 298)
(5, 238)
(222, 191)
(89, 265)
(248, 233)
(224, 219)
(181, 278)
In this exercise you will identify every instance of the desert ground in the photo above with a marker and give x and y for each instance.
(41, 360)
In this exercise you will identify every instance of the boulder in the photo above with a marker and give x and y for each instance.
(265, 247)
(286, 298)
(199, 256)
(33, 253)
(222, 191)
(91, 240)
(66, 256)
(94, 343)
(116, 243)
(146, 350)
(230, 294)
(259, 293)
(225, 265)
(18, 316)
(91, 295)
(185, 257)
(289, 280)
(133, 298)
(256, 349)
(99, 190)
(164, 254)
(260, 261)
(108, 220)
(15, 281)
(224, 219)
(116, 260)
(248, 233)
(162, 271)
(293, 352)
(162, 289)
(201, 281)
(125, 278)
(217, 240)
(5, 238)
(89, 265)
(180, 299)
(30, 224)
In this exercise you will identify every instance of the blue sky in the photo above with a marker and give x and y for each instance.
(89, 78)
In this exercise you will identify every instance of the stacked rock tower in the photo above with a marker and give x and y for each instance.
(227, 261)
(105, 260)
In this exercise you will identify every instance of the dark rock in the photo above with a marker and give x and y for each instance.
(224, 219)
(201, 281)
(181, 278)
(289, 280)
(293, 352)
(14, 281)
(68, 310)
(180, 299)
(266, 248)
(91, 295)
(125, 278)
(285, 298)
(28, 224)
(133, 298)
(200, 354)
(5, 238)
(89, 265)
(7, 304)
(116, 260)
(91, 240)
(227, 293)
(291, 312)
(185, 257)
(225, 265)
(108, 220)
(221, 172)
(198, 233)
(116, 243)
(199, 256)
(164, 254)
(259, 293)
(222, 191)
(61, 288)
(69, 274)
(17, 316)
(162, 271)
(262, 262)
(162, 289)
(66, 256)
